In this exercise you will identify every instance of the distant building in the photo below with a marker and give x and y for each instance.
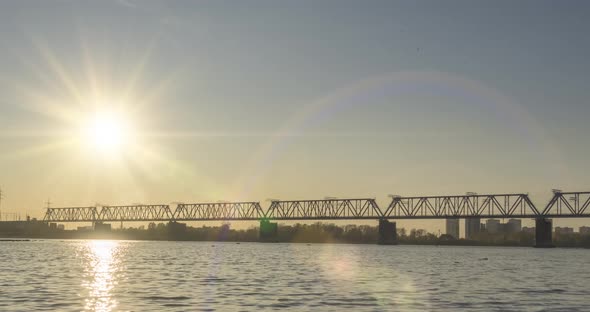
(22, 227)
(513, 226)
(102, 227)
(452, 227)
(563, 230)
(472, 227)
(61, 227)
(528, 230)
(584, 230)
(493, 226)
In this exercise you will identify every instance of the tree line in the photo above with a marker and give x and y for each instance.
(324, 233)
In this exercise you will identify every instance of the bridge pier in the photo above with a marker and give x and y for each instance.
(543, 229)
(387, 233)
(268, 232)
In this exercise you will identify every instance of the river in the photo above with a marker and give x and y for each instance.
(196, 276)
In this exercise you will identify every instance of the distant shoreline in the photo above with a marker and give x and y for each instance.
(299, 233)
(100, 237)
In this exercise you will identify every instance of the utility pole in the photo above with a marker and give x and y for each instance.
(48, 203)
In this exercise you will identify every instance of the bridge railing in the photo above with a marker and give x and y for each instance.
(326, 209)
(462, 206)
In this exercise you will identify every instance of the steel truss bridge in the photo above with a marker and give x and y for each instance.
(562, 205)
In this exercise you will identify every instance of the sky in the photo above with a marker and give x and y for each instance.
(251, 100)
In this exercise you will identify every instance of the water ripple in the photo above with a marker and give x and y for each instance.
(156, 276)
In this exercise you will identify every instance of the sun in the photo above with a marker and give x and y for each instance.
(107, 131)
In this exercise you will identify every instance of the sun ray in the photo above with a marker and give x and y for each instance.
(129, 90)
(90, 71)
(89, 126)
(155, 94)
(60, 71)
(175, 169)
(38, 150)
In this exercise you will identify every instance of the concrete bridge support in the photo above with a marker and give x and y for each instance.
(387, 233)
(543, 229)
(268, 231)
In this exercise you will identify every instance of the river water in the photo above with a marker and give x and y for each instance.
(195, 276)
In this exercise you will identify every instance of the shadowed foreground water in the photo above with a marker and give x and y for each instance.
(181, 276)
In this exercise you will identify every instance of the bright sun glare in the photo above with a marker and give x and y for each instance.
(107, 132)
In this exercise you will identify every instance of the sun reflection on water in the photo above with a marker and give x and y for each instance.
(103, 262)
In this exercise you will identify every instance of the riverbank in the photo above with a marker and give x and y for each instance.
(299, 233)
(114, 236)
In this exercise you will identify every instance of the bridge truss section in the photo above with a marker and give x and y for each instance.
(462, 206)
(71, 214)
(568, 204)
(225, 211)
(327, 209)
(136, 213)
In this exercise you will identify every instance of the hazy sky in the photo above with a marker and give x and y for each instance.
(249, 100)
